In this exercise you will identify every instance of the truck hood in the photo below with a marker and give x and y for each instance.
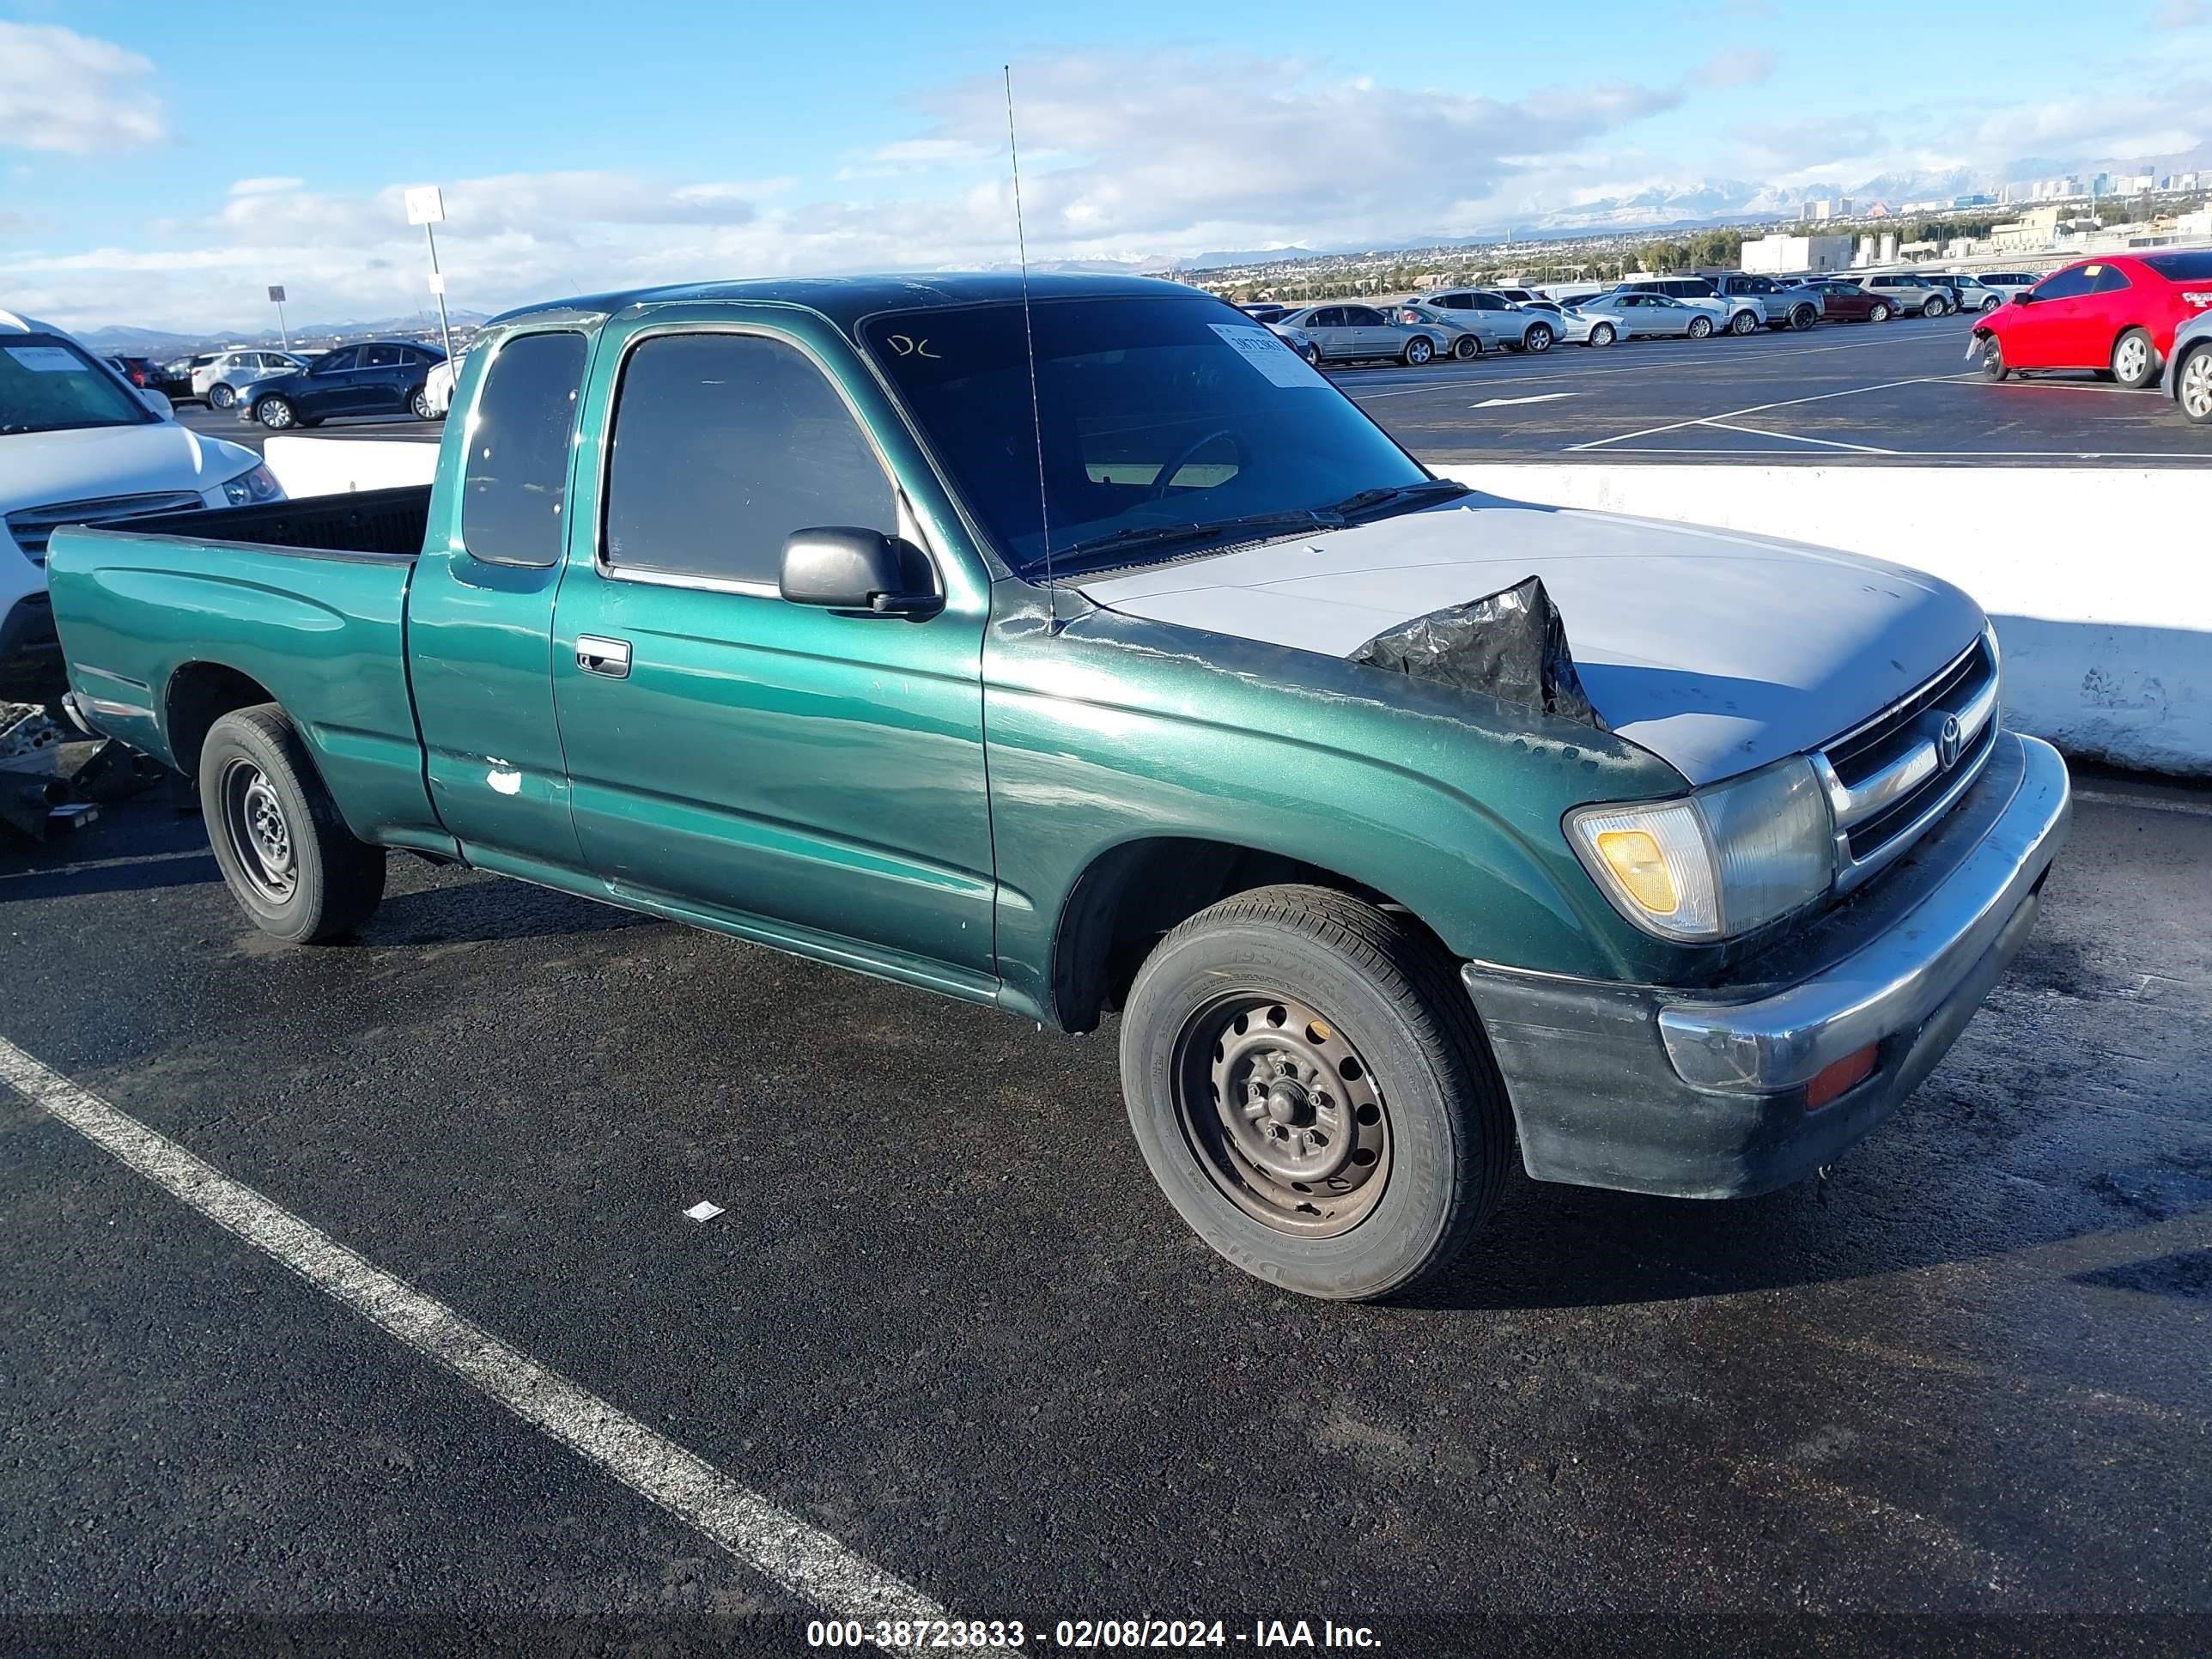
(37, 468)
(1716, 651)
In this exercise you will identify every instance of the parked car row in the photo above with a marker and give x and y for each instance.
(2133, 319)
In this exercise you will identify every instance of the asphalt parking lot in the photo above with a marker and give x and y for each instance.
(1898, 392)
(946, 1320)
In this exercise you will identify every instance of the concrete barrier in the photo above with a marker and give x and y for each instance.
(339, 467)
(2098, 578)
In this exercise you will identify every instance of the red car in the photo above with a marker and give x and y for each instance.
(2116, 314)
(1847, 302)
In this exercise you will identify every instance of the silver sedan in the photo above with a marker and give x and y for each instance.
(1633, 316)
(1340, 333)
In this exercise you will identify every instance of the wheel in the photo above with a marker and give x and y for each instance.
(1932, 307)
(1878, 312)
(1467, 346)
(1313, 354)
(275, 413)
(1992, 303)
(1744, 322)
(221, 396)
(1802, 316)
(2193, 386)
(1700, 327)
(1538, 339)
(2135, 364)
(1993, 362)
(292, 865)
(1418, 350)
(420, 403)
(1603, 334)
(1309, 1088)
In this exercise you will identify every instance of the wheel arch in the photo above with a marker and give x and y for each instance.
(1132, 893)
(197, 694)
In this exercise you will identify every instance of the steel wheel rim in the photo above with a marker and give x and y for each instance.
(2197, 386)
(1282, 1114)
(259, 833)
(2131, 359)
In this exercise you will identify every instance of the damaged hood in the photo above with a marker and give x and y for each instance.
(1718, 652)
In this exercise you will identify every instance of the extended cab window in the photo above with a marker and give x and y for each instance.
(516, 487)
(724, 444)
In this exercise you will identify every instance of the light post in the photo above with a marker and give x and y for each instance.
(426, 206)
(277, 299)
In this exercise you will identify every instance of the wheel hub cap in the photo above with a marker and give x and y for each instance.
(1284, 1115)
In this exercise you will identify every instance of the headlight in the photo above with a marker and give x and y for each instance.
(256, 483)
(1714, 864)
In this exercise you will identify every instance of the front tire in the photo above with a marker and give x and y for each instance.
(1308, 1085)
(2193, 386)
(1993, 364)
(2135, 360)
(1313, 354)
(221, 396)
(1878, 313)
(276, 414)
(285, 853)
(1802, 317)
(1418, 351)
(1700, 327)
(1467, 348)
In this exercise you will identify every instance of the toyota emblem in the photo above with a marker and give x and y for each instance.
(1949, 741)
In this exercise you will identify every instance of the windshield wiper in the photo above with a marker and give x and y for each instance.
(1110, 547)
(1424, 493)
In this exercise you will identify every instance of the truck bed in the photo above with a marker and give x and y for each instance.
(384, 521)
(305, 600)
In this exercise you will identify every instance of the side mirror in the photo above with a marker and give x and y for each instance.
(2022, 296)
(156, 402)
(841, 567)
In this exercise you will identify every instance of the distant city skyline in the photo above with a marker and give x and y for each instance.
(145, 180)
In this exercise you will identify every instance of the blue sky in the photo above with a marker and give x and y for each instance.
(160, 162)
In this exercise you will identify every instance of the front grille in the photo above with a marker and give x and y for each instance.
(1889, 779)
(33, 527)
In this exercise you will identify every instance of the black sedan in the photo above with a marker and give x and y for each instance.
(382, 377)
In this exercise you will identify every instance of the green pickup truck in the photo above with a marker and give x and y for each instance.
(1073, 647)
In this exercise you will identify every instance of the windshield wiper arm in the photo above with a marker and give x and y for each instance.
(1396, 496)
(1134, 538)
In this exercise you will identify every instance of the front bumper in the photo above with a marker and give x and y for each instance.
(1702, 1094)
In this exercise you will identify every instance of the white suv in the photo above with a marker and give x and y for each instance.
(79, 444)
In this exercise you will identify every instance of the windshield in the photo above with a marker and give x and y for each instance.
(1155, 414)
(48, 385)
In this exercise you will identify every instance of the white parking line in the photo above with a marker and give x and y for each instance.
(1797, 438)
(1754, 409)
(1540, 397)
(800, 1558)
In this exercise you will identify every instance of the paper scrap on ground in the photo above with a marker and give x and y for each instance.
(702, 1211)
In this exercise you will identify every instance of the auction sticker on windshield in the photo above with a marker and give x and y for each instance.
(48, 360)
(1267, 353)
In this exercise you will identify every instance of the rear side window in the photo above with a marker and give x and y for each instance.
(2110, 280)
(379, 357)
(514, 494)
(724, 444)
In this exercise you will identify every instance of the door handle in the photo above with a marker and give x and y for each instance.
(596, 654)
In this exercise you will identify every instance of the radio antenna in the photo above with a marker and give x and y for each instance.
(1029, 337)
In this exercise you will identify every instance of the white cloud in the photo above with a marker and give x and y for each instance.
(1737, 66)
(60, 90)
(2181, 14)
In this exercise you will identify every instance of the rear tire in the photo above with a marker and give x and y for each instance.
(1538, 339)
(2134, 360)
(1309, 1087)
(1802, 316)
(1743, 323)
(285, 853)
(420, 403)
(1603, 334)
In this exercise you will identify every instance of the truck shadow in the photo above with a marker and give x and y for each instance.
(463, 908)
